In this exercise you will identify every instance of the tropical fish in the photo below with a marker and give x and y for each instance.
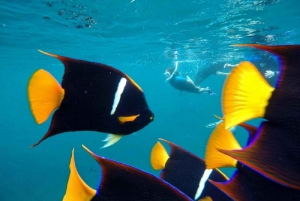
(187, 172)
(120, 182)
(92, 97)
(246, 184)
(257, 98)
(275, 149)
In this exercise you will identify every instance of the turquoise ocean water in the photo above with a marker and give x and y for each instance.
(139, 37)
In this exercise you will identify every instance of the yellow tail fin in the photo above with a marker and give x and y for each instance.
(159, 156)
(220, 139)
(44, 94)
(245, 95)
(77, 189)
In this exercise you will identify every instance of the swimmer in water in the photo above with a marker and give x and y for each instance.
(183, 82)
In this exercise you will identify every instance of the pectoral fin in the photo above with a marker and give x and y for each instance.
(124, 119)
(111, 139)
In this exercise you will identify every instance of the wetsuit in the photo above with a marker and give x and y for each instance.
(181, 83)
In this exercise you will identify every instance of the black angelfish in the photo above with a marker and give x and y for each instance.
(92, 97)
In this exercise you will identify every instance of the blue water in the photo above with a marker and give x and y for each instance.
(139, 37)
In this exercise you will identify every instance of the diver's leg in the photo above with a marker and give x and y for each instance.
(229, 65)
(189, 80)
(222, 73)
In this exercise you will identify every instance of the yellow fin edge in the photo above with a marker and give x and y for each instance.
(220, 139)
(77, 189)
(44, 95)
(245, 95)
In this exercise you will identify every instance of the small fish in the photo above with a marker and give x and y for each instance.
(246, 184)
(187, 172)
(120, 182)
(92, 97)
(275, 149)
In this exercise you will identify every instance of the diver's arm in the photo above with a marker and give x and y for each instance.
(172, 75)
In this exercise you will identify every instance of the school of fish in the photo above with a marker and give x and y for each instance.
(98, 97)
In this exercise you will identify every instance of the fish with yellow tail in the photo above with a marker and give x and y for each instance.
(187, 172)
(246, 184)
(121, 182)
(275, 150)
(91, 97)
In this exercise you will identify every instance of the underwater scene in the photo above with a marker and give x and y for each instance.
(150, 100)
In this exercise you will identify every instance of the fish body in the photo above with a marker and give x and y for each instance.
(92, 97)
(274, 151)
(120, 182)
(187, 172)
(246, 184)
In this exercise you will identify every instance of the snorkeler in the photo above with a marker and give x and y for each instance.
(183, 82)
(266, 63)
